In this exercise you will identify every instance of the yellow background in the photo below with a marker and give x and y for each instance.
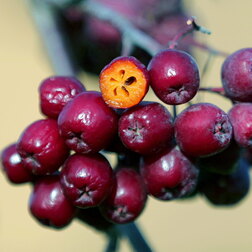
(191, 226)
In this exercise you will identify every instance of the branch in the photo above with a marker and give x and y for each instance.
(126, 28)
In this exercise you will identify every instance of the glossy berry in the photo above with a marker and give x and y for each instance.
(202, 129)
(87, 123)
(241, 118)
(86, 179)
(127, 198)
(174, 76)
(236, 74)
(49, 205)
(225, 190)
(169, 175)
(13, 166)
(146, 128)
(56, 91)
(41, 147)
(124, 82)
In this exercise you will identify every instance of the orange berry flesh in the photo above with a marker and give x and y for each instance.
(124, 82)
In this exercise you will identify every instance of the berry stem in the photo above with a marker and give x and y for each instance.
(132, 232)
(219, 91)
(112, 242)
(45, 19)
(192, 26)
(174, 109)
(127, 29)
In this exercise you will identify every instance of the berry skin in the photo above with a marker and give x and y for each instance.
(13, 166)
(174, 76)
(127, 198)
(49, 205)
(124, 82)
(226, 190)
(241, 118)
(169, 175)
(202, 129)
(86, 179)
(56, 91)
(146, 128)
(87, 123)
(236, 75)
(41, 147)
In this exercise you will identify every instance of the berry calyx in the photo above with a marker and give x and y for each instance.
(124, 82)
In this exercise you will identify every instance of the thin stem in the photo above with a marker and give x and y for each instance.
(132, 232)
(174, 109)
(191, 26)
(112, 243)
(137, 37)
(44, 17)
(214, 90)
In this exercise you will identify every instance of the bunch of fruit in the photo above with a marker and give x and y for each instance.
(202, 149)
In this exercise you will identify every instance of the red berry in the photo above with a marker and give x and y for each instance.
(202, 129)
(56, 91)
(236, 75)
(174, 76)
(41, 147)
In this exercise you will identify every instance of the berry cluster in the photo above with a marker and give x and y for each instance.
(203, 149)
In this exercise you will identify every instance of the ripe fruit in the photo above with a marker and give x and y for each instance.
(225, 190)
(127, 198)
(174, 76)
(236, 74)
(49, 205)
(202, 129)
(241, 118)
(41, 147)
(146, 128)
(87, 124)
(86, 179)
(56, 91)
(124, 82)
(13, 166)
(169, 175)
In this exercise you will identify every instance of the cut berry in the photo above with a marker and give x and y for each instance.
(56, 91)
(146, 128)
(169, 175)
(241, 118)
(87, 123)
(124, 82)
(174, 76)
(202, 129)
(127, 198)
(13, 166)
(41, 147)
(49, 205)
(86, 179)
(236, 75)
(225, 190)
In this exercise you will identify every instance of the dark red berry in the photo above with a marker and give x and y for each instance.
(169, 175)
(127, 198)
(146, 128)
(56, 91)
(226, 190)
(87, 123)
(86, 179)
(174, 76)
(13, 166)
(241, 118)
(202, 129)
(41, 147)
(49, 205)
(236, 75)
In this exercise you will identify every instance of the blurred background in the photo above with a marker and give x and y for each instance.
(188, 225)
